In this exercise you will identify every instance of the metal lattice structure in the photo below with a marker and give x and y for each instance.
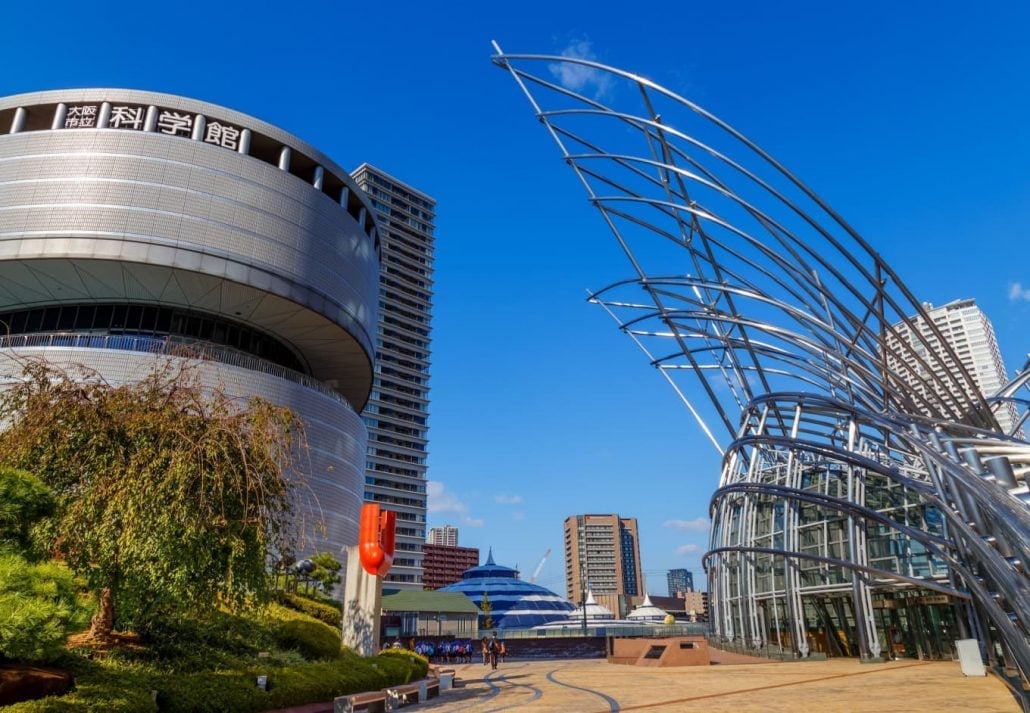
(867, 487)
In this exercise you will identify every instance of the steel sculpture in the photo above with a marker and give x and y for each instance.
(868, 494)
(377, 539)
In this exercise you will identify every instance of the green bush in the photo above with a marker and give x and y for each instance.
(24, 499)
(329, 614)
(40, 605)
(402, 662)
(211, 666)
(100, 687)
(313, 639)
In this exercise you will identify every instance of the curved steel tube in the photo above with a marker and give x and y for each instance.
(771, 291)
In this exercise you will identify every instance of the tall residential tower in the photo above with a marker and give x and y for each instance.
(966, 328)
(602, 553)
(398, 410)
(679, 581)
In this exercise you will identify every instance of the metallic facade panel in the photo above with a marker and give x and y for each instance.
(184, 211)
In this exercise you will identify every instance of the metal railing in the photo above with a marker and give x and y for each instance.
(695, 629)
(165, 345)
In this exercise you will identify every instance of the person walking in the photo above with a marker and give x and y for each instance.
(495, 651)
(484, 648)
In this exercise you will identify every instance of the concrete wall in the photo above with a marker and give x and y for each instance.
(674, 651)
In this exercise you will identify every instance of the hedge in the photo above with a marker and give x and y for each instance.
(330, 615)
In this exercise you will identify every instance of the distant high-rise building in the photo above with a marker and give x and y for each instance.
(602, 553)
(398, 410)
(966, 328)
(446, 535)
(445, 564)
(680, 580)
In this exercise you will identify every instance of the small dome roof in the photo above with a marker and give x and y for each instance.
(647, 611)
(594, 610)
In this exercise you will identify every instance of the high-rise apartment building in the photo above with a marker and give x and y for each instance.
(445, 564)
(446, 535)
(398, 410)
(602, 553)
(679, 580)
(966, 328)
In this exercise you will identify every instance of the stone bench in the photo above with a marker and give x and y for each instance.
(369, 701)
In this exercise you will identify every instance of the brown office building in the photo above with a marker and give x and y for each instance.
(443, 565)
(602, 553)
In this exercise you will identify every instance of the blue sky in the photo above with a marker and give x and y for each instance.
(911, 119)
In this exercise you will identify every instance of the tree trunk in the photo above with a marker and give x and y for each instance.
(102, 624)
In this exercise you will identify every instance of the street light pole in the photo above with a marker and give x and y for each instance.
(583, 604)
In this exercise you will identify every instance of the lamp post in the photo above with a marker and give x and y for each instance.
(583, 604)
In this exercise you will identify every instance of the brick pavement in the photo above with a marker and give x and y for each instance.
(595, 686)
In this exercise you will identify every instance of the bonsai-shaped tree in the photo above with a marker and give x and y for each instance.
(169, 493)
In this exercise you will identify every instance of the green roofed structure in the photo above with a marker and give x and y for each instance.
(409, 613)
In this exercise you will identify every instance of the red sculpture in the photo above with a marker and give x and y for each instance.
(376, 539)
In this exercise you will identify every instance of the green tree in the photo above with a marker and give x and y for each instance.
(326, 572)
(486, 607)
(24, 499)
(170, 494)
(39, 603)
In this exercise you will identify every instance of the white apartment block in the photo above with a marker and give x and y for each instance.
(966, 328)
(446, 536)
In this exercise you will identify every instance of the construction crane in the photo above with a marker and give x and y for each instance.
(536, 572)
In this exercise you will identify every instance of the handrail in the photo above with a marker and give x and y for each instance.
(169, 346)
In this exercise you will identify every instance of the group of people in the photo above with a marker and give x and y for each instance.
(439, 651)
(457, 651)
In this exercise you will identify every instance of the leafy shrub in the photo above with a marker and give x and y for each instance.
(24, 500)
(313, 639)
(214, 641)
(326, 613)
(100, 687)
(400, 662)
(211, 666)
(40, 606)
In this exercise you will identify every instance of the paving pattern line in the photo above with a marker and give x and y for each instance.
(659, 704)
(494, 689)
(613, 705)
(503, 678)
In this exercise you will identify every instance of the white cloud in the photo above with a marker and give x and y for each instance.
(578, 77)
(518, 516)
(1018, 292)
(698, 524)
(440, 501)
(688, 549)
(505, 499)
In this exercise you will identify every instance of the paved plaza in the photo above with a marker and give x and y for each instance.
(595, 686)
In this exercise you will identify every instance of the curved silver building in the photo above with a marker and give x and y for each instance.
(871, 501)
(137, 226)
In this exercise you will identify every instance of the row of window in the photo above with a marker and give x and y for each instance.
(399, 485)
(398, 190)
(150, 320)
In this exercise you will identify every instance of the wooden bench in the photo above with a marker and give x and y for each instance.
(369, 701)
(400, 696)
